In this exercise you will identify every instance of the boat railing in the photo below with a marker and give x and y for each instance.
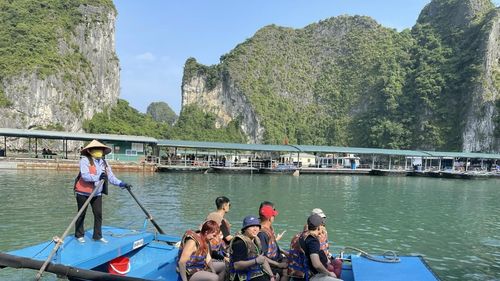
(257, 165)
(184, 162)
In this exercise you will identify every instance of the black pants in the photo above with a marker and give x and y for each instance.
(96, 204)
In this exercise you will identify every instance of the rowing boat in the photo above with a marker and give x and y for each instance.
(132, 255)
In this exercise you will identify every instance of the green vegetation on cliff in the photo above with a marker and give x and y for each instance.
(4, 101)
(31, 34)
(329, 88)
(125, 120)
(193, 124)
(161, 112)
(349, 81)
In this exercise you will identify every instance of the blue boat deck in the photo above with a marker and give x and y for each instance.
(409, 268)
(91, 253)
(151, 257)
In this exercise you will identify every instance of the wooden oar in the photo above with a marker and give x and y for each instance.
(149, 216)
(61, 240)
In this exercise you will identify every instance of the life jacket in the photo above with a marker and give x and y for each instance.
(297, 264)
(302, 244)
(198, 260)
(272, 246)
(217, 244)
(334, 264)
(323, 243)
(253, 250)
(87, 187)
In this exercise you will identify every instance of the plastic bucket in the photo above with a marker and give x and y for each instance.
(119, 266)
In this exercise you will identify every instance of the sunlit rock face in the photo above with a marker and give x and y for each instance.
(63, 99)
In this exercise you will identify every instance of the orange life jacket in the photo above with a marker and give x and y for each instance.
(198, 260)
(87, 187)
(297, 264)
(218, 244)
(272, 246)
(323, 243)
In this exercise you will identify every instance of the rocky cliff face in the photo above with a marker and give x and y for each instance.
(224, 100)
(479, 132)
(70, 94)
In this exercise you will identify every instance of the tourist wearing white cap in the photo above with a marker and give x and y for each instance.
(93, 169)
(334, 265)
(317, 261)
(323, 234)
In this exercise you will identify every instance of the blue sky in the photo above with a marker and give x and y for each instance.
(155, 37)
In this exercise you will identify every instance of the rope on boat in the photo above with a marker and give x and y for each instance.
(129, 233)
(387, 256)
(48, 244)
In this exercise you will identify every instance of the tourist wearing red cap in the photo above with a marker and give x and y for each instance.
(269, 242)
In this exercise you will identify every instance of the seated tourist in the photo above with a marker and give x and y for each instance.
(219, 243)
(195, 262)
(315, 259)
(269, 242)
(245, 261)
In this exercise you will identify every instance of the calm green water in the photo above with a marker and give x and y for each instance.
(454, 224)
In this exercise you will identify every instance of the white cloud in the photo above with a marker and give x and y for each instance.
(148, 57)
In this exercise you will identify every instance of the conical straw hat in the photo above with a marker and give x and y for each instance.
(96, 144)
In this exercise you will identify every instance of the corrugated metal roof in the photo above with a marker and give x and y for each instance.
(463, 155)
(10, 132)
(226, 146)
(360, 150)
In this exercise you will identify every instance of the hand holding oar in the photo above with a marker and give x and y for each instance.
(61, 240)
(148, 215)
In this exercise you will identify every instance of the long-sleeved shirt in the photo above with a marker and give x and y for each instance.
(100, 167)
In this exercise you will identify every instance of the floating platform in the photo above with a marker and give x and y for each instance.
(453, 175)
(279, 170)
(465, 175)
(235, 170)
(182, 169)
(382, 172)
(313, 170)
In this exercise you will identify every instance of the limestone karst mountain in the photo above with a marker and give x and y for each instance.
(349, 81)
